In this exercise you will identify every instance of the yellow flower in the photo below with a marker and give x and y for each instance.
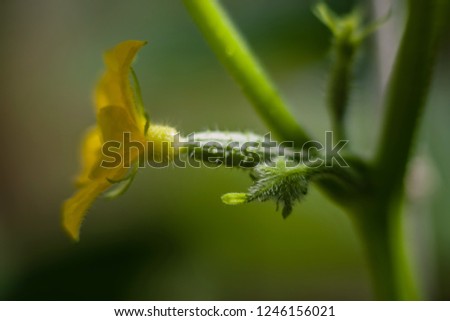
(119, 111)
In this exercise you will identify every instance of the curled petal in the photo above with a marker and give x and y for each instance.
(75, 208)
(114, 88)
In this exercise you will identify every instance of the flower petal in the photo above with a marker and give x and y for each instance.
(114, 88)
(117, 114)
(75, 208)
(114, 122)
(90, 154)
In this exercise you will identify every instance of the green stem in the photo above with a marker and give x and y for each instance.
(339, 85)
(234, 147)
(235, 55)
(381, 228)
(380, 220)
(407, 92)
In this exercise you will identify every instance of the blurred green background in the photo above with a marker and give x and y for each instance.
(170, 237)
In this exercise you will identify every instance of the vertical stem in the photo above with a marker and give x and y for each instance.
(381, 229)
(407, 92)
(339, 85)
(242, 64)
(381, 219)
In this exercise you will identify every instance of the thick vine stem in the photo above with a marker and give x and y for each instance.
(381, 229)
(236, 56)
(407, 91)
(380, 214)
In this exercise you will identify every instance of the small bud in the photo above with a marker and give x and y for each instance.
(234, 198)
